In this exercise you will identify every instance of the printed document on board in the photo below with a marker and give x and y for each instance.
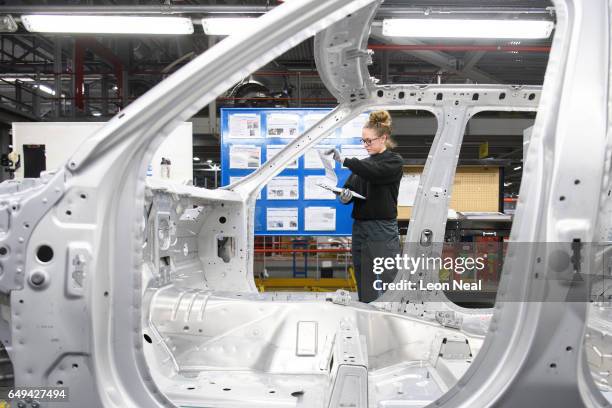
(331, 181)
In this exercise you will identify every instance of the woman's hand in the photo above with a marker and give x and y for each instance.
(336, 154)
(346, 195)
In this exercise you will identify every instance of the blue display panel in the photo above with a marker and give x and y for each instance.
(291, 203)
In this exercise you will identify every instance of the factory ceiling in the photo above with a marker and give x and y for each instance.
(40, 73)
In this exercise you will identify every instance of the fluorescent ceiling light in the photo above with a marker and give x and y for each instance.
(454, 28)
(196, 159)
(208, 161)
(107, 24)
(517, 168)
(21, 79)
(45, 89)
(507, 184)
(96, 113)
(226, 26)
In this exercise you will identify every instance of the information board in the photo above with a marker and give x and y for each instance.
(292, 203)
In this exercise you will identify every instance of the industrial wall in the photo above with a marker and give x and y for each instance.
(61, 140)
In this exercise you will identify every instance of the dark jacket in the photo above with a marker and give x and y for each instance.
(376, 177)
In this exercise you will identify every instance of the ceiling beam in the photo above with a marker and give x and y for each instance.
(136, 9)
(22, 43)
(471, 58)
(385, 10)
(440, 59)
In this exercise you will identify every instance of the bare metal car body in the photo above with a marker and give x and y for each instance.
(148, 298)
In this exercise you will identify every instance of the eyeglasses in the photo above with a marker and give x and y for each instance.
(368, 142)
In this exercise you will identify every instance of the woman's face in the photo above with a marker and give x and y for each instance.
(372, 143)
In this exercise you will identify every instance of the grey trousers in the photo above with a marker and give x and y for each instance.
(372, 239)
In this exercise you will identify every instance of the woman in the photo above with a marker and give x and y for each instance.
(377, 178)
